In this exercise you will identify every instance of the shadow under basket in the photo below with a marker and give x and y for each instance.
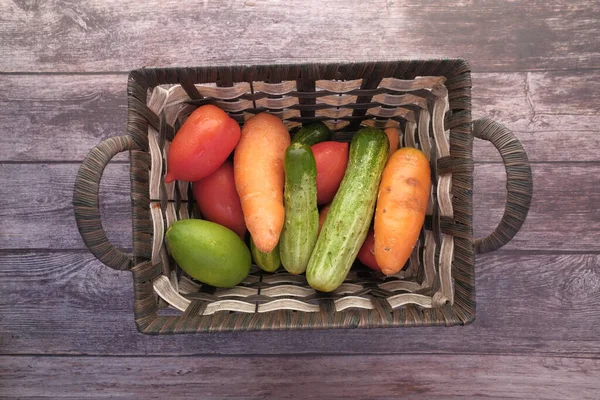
(429, 102)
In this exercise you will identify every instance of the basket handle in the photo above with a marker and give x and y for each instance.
(86, 203)
(519, 183)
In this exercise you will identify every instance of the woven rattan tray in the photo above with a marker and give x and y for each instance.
(428, 101)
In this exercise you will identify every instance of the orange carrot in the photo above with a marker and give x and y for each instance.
(394, 139)
(401, 206)
(259, 176)
(322, 216)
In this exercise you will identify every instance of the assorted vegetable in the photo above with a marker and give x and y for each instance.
(201, 145)
(331, 159)
(312, 134)
(266, 261)
(218, 199)
(401, 207)
(366, 254)
(259, 175)
(301, 226)
(350, 213)
(272, 189)
(394, 140)
(322, 215)
(209, 252)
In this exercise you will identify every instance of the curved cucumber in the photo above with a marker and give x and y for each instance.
(301, 225)
(314, 133)
(266, 261)
(347, 222)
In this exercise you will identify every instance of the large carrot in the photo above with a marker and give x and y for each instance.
(259, 174)
(401, 206)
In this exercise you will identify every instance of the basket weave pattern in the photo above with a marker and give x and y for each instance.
(428, 102)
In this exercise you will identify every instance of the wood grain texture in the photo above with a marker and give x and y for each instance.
(96, 35)
(563, 215)
(68, 303)
(555, 114)
(355, 377)
(58, 117)
(538, 302)
(39, 215)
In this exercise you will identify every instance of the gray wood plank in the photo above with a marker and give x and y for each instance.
(355, 377)
(555, 115)
(39, 215)
(68, 303)
(563, 215)
(61, 117)
(99, 35)
(37, 209)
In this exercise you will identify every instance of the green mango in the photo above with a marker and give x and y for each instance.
(209, 252)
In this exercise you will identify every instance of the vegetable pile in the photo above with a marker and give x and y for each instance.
(265, 204)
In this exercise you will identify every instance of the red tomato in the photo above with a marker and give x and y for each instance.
(201, 145)
(218, 199)
(366, 254)
(331, 159)
(322, 216)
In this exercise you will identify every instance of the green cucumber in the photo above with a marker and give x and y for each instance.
(301, 225)
(266, 261)
(347, 222)
(314, 133)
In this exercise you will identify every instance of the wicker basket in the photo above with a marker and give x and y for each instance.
(428, 101)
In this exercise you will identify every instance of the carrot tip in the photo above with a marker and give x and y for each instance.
(388, 272)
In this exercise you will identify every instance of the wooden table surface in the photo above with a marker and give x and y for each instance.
(66, 321)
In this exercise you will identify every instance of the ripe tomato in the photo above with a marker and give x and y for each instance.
(201, 145)
(218, 199)
(331, 159)
(366, 254)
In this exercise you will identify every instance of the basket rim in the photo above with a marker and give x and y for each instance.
(147, 319)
